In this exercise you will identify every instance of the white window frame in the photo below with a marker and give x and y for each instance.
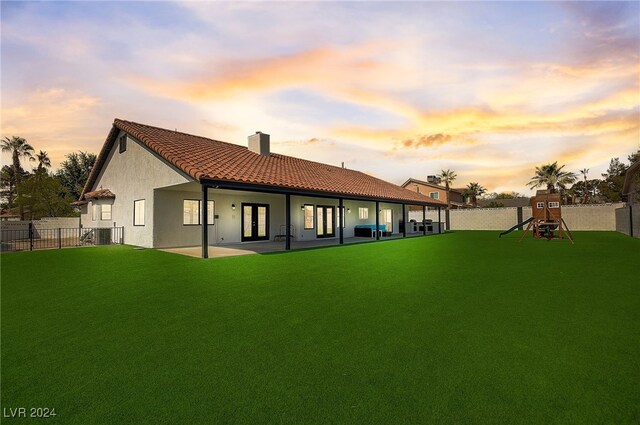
(103, 212)
(94, 211)
(437, 195)
(139, 219)
(540, 205)
(363, 213)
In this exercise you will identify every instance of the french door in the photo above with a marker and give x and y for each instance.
(325, 221)
(255, 222)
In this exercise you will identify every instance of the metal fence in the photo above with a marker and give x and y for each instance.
(33, 238)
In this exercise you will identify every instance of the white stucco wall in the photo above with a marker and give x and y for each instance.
(170, 231)
(132, 175)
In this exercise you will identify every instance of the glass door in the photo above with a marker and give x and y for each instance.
(255, 222)
(325, 221)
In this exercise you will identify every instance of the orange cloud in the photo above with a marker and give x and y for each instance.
(55, 120)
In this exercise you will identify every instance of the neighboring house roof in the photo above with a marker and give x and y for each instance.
(435, 186)
(514, 202)
(213, 161)
(100, 194)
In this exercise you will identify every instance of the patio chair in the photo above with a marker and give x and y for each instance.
(282, 234)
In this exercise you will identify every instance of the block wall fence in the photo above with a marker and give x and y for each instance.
(628, 218)
(578, 217)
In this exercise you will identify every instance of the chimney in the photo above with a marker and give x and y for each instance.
(259, 143)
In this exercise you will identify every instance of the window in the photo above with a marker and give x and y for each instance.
(308, 217)
(122, 143)
(554, 204)
(434, 195)
(191, 215)
(540, 205)
(340, 213)
(105, 212)
(138, 212)
(363, 213)
(386, 218)
(94, 212)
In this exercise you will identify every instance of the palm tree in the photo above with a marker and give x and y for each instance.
(19, 149)
(474, 190)
(553, 177)
(585, 195)
(447, 176)
(43, 160)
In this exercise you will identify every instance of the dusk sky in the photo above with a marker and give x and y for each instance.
(396, 90)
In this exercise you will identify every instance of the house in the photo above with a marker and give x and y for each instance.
(631, 185)
(171, 189)
(434, 190)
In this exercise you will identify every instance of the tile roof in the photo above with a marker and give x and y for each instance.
(100, 194)
(206, 159)
(434, 185)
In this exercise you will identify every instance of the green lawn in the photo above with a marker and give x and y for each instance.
(459, 328)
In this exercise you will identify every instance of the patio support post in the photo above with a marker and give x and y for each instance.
(404, 220)
(439, 221)
(377, 220)
(341, 221)
(205, 224)
(424, 221)
(287, 233)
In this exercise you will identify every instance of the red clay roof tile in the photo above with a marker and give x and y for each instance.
(207, 159)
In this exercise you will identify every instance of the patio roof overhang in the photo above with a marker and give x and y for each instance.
(252, 187)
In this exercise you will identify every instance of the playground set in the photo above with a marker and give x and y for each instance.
(546, 221)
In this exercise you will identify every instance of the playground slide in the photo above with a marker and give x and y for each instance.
(506, 232)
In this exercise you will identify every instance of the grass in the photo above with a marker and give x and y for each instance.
(458, 328)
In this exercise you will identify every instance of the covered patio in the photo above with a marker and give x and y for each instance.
(266, 247)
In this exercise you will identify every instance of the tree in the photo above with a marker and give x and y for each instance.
(634, 157)
(74, 172)
(44, 196)
(7, 186)
(588, 189)
(509, 195)
(553, 177)
(494, 204)
(448, 176)
(43, 160)
(19, 149)
(611, 186)
(474, 190)
(585, 189)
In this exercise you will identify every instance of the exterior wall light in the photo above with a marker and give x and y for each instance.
(302, 207)
(348, 210)
(233, 206)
